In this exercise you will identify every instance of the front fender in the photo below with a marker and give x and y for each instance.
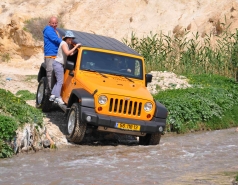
(161, 111)
(82, 96)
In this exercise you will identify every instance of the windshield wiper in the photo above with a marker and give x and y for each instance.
(96, 72)
(123, 76)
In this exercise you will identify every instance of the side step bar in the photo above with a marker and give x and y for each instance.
(63, 107)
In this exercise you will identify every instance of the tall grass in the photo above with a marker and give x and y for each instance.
(189, 53)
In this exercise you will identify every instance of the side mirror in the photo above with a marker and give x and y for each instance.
(69, 65)
(148, 79)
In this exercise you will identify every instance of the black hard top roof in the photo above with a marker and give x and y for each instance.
(98, 41)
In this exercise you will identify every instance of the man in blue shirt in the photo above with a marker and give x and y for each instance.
(52, 41)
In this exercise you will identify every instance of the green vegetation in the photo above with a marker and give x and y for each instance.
(5, 57)
(29, 78)
(19, 109)
(5, 150)
(8, 126)
(35, 26)
(212, 103)
(187, 53)
(26, 95)
(15, 112)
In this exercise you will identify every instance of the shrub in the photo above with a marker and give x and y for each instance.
(35, 26)
(212, 100)
(5, 150)
(8, 127)
(5, 57)
(19, 109)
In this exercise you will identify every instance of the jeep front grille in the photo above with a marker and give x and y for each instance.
(126, 107)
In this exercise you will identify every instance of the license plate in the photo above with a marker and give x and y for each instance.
(126, 126)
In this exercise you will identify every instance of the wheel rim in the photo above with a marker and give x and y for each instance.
(40, 93)
(71, 122)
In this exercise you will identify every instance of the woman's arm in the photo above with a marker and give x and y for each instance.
(67, 51)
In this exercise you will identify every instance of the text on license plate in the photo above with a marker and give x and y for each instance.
(126, 126)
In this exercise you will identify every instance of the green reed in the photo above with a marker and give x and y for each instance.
(189, 53)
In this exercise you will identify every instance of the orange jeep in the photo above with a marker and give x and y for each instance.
(105, 89)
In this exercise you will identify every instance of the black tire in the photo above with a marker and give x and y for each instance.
(42, 99)
(150, 139)
(75, 127)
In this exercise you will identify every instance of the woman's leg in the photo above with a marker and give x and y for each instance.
(59, 74)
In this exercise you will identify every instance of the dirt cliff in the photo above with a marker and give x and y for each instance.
(114, 18)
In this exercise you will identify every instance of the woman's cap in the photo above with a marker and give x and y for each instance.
(69, 34)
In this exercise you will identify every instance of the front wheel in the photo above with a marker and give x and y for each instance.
(150, 139)
(76, 128)
(42, 99)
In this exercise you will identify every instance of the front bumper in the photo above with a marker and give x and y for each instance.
(153, 126)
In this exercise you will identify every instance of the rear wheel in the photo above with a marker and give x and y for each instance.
(150, 139)
(76, 128)
(42, 99)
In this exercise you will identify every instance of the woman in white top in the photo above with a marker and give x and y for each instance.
(58, 65)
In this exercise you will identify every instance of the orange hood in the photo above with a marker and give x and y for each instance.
(117, 85)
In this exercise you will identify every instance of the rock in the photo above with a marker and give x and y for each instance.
(163, 80)
(46, 143)
(16, 41)
(28, 138)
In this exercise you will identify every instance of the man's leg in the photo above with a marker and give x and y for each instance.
(49, 69)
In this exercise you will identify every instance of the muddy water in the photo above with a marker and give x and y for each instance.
(197, 158)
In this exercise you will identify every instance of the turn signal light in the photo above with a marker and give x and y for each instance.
(148, 116)
(99, 108)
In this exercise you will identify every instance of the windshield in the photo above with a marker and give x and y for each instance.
(112, 64)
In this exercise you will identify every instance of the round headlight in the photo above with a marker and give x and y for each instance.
(148, 106)
(102, 100)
